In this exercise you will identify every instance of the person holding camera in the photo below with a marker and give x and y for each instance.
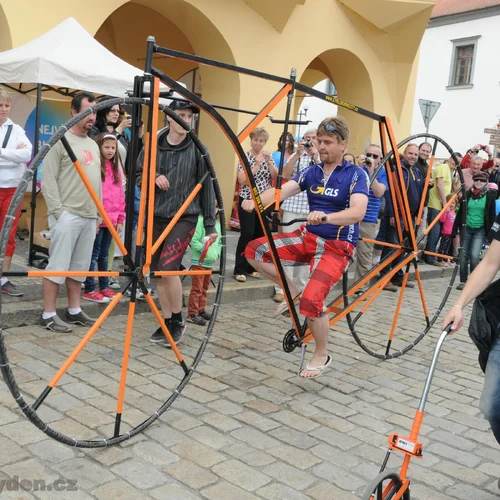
(297, 207)
(368, 226)
(475, 166)
(474, 152)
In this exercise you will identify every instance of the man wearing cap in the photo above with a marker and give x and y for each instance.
(479, 219)
(179, 168)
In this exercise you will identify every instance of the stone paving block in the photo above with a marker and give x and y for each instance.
(271, 395)
(140, 474)
(191, 474)
(371, 423)
(291, 476)
(485, 438)
(81, 391)
(180, 420)
(210, 437)
(117, 490)
(221, 422)
(462, 457)
(208, 384)
(22, 432)
(64, 402)
(302, 460)
(326, 490)
(431, 478)
(190, 406)
(164, 434)
(71, 428)
(154, 454)
(342, 441)
(334, 455)
(255, 420)
(462, 473)
(109, 456)
(198, 453)
(88, 474)
(91, 417)
(278, 491)
(338, 476)
(11, 451)
(173, 492)
(7, 416)
(453, 440)
(254, 438)
(225, 407)
(242, 475)
(295, 438)
(255, 458)
(337, 409)
(294, 421)
(49, 450)
(262, 406)
(223, 490)
(467, 492)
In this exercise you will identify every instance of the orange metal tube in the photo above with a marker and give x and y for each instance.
(69, 274)
(163, 327)
(176, 217)
(144, 194)
(421, 290)
(78, 349)
(415, 429)
(126, 354)
(398, 307)
(381, 243)
(152, 174)
(447, 257)
(438, 216)
(100, 207)
(265, 111)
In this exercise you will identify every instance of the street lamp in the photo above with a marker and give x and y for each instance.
(302, 113)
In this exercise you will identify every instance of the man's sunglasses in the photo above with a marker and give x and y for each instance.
(331, 129)
(372, 155)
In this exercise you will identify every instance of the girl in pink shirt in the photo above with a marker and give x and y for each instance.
(113, 200)
(446, 242)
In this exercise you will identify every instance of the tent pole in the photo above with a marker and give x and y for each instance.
(33, 186)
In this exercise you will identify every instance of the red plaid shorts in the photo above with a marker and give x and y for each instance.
(328, 260)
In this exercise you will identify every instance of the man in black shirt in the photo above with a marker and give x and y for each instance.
(179, 167)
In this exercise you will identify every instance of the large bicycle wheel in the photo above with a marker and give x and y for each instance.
(75, 358)
(387, 324)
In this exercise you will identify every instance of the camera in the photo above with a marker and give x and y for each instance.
(308, 144)
(368, 161)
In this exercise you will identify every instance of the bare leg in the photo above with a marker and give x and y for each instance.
(269, 271)
(50, 291)
(74, 288)
(163, 296)
(6, 263)
(174, 289)
(319, 329)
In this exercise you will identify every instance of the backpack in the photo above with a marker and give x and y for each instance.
(485, 321)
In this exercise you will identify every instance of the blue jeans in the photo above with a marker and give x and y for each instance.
(433, 235)
(100, 253)
(490, 397)
(382, 232)
(473, 242)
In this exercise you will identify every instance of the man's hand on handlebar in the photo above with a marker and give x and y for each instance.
(315, 218)
(248, 205)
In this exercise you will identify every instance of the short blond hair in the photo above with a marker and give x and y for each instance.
(260, 131)
(341, 128)
(5, 96)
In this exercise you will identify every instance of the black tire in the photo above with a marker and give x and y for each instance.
(374, 490)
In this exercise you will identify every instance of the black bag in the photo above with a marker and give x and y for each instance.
(485, 321)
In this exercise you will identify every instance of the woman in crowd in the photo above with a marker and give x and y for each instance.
(288, 149)
(15, 152)
(264, 171)
(479, 219)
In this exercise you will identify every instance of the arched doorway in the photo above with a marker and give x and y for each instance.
(353, 84)
(179, 25)
(5, 37)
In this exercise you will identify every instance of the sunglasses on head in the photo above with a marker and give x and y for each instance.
(331, 129)
(372, 155)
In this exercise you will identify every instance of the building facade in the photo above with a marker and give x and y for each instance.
(458, 67)
(367, 48)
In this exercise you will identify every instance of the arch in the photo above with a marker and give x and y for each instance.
(5, 36)
(180, 25)
(353, 83)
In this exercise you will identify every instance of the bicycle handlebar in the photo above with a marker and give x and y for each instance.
(274, 220)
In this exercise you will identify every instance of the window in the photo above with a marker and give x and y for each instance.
(463, 61)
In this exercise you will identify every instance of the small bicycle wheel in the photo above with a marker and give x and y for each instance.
(386, 320)
(98, 363)
(385, 487)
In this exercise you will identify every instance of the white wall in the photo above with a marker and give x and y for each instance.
(464, 113)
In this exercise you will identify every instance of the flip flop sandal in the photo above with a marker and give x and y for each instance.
(283, 307)
(255, 275)
(240, 277)
(318, 369)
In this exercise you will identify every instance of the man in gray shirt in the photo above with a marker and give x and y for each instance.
(73, 216)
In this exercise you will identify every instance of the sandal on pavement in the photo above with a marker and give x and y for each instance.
(283, 307)
(318, 369)
(240, 277)
(255, 275)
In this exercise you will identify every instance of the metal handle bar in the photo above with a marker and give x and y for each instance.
(274, 220)
(432, 368)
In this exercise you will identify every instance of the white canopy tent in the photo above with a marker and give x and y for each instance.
(68, 57)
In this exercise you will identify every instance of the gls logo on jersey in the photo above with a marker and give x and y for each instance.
(325, 191)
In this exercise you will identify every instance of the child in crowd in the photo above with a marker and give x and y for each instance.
(446, 242)
(113, 200)
(200, 283)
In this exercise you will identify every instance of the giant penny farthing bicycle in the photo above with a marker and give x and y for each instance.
(175, 367)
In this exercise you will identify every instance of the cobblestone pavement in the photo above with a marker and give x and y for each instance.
(246, 427)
